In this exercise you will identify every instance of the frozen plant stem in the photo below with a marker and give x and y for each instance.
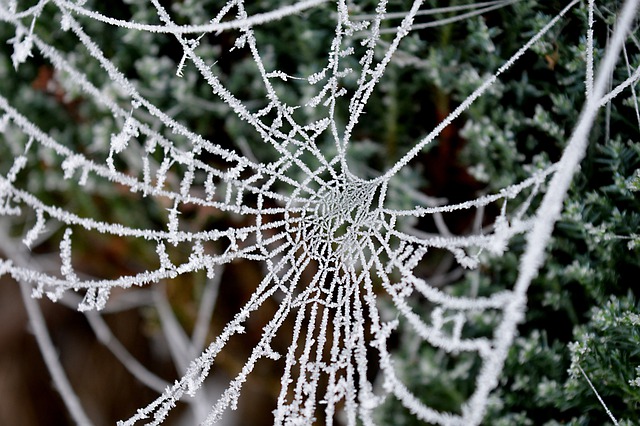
(43, 339)
(106, 337)
(49, 353)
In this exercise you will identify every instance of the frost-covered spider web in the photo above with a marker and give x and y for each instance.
(331, 245)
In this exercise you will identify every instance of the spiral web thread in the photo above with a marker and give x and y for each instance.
(331, 222)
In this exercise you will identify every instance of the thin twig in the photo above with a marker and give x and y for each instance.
(139, 371)
(50, 355)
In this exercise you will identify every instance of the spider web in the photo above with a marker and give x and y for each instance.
(331, 245)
